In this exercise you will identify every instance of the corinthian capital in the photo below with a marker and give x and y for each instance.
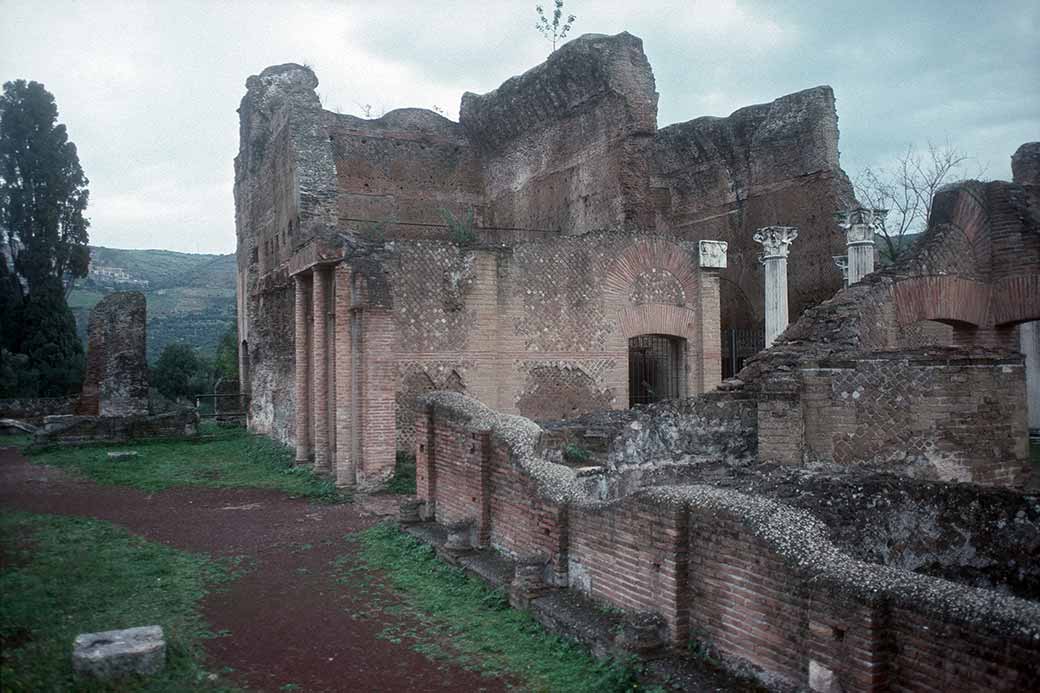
(860, 224)
(776, 241)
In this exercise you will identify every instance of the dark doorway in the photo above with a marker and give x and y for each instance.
(655, 368)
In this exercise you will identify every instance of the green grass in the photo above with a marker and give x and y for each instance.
(465, 621)
(66, 576)
(225, 458)
(20, 441)
(403, 481)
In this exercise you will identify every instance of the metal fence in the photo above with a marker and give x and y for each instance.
(740, 344)
(229, 405)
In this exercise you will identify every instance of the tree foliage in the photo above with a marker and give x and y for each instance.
(906, 191)
(46, 351)
(43, 245)
(556, 29)
(225, 363)
(180, 373)
(42, 188)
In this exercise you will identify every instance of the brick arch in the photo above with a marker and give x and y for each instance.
(1016, 299)
(411, 386)
(658, 318)
(964, 246)
(556, 392)
(645, 255)
(943, 299)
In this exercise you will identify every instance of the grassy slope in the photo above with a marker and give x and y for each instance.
(64, 576)
(465, 621)
(226, 458)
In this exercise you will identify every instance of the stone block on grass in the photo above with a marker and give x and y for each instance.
(117, 653)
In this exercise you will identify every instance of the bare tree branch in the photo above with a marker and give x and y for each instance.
(907, 189)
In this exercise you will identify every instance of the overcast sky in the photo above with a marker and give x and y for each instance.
(149, 90)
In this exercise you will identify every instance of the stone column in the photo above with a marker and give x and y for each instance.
(320, 369)
(303, 368)
(842, 263)
(860, 225)
(776, 245)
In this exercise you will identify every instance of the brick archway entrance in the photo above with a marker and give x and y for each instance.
(656, 368)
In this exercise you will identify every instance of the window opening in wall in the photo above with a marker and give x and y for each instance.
(654, 368)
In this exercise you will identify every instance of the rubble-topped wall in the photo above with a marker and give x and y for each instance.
(116, 380)
(752, 579)
(767, 164)
(567, 145)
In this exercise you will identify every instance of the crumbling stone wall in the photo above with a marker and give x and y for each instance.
(116, 379)
(567, 145)
(400, 174)
(285, 190)
(75, 430)
(32, 410)
(976, 270)
(1025, 168)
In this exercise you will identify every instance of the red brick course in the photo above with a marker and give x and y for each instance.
(718, 576)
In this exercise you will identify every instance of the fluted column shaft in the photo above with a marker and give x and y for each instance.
(776, 246)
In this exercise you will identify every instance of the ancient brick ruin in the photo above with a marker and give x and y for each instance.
(845, 514)
(798, 521)
(596, 240)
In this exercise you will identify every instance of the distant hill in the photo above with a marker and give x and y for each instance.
(191, 298)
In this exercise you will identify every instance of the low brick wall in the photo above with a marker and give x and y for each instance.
(75, 430)
(759, 582)
(33, 409)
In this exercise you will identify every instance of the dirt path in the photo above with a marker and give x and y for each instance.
(288, 620)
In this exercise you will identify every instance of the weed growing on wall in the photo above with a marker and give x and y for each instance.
(461, 230)
(575, 454)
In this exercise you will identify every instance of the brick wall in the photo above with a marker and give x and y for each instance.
(756, 581)
(742, 599)
(925, 414)
(542, 328)
(520, 522)
(633, 556)
(936, 657)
